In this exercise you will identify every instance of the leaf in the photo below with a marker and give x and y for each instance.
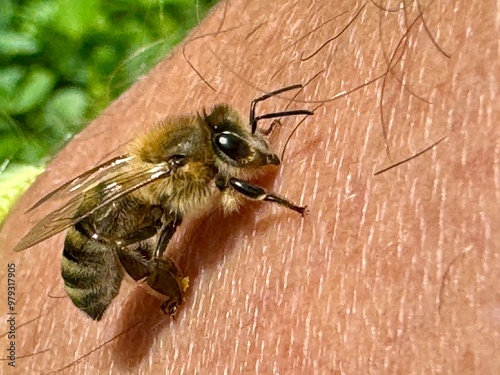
(66, 110)
(17, 44)
(6, 12)
(10, 77)
(75, 17)
(31, 92)
(9, 145)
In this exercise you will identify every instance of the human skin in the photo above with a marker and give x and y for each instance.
(394, 273)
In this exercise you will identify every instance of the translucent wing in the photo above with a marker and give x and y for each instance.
(123, 181)
(85, 180)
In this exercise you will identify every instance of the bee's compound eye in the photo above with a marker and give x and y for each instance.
(232, 145)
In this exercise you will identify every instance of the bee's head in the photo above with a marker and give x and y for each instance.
(239, 146)
(234, 142)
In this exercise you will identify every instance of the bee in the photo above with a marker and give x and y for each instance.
(122, 214)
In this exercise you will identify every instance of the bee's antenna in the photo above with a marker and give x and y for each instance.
(293, 132)
(283, 114)
(253, 120)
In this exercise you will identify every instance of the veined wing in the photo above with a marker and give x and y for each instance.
(85, 180)
(83, 204)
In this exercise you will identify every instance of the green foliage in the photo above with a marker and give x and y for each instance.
(13, 183)
(63, 61)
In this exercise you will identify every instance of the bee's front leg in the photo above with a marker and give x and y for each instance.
(254, 192)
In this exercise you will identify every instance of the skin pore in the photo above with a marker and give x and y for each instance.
(393, 273)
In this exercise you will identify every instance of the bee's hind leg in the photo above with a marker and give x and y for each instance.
(167, 280)
(136, 251)
(144, 260)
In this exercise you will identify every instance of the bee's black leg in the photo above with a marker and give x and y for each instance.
(165, 234)
(144, 260)
(136, 251)
(258, 193)
(168, 281)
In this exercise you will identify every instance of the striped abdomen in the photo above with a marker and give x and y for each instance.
(91, 274)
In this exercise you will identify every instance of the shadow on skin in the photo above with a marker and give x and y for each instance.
(130, 348)
(200, 244)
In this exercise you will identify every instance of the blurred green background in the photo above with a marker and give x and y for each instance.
(64, 61)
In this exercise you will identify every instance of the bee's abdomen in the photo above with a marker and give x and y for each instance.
(91, 274)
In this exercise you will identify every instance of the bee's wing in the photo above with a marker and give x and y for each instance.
(105, 191)
(85, 180)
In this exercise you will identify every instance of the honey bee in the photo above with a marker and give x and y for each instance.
(122, 214)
